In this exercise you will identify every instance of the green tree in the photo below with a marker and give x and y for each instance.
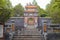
(41, 12)
(8, 3)
(18, 10)
(53, 10)
(4, 11)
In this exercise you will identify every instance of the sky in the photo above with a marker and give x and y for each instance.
(41, 3)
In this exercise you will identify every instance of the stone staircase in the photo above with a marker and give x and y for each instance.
(31, 27)
(28, 34)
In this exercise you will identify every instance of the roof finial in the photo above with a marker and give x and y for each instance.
(27, 4)
(30, 3)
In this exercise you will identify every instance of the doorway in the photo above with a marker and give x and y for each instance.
(31, 21)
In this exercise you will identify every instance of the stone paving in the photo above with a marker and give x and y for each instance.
(28, 34)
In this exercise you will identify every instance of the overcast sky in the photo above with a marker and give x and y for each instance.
(41, 3)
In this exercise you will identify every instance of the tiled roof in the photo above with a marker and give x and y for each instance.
(30, 6)
(31, 11)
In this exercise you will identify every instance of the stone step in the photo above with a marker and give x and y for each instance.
(28, 34)
(30, 27)
(27, 39)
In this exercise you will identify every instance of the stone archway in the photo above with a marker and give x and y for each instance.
(31, 21)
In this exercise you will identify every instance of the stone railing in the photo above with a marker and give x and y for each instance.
(51, 30)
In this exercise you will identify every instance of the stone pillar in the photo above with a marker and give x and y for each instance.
(36, 25)
(45, 27)
(25, 21)
(35, 22)
(45, 30)
(13, 27)
(25, 24)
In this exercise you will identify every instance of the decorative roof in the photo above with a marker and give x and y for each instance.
(31, 11)
(31, 6)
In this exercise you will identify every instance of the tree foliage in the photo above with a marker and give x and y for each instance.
(4, 16)
(54, 10)
(41, 12)
(18, 10)
(5, 10)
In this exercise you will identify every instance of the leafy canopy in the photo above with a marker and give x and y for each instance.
(41, 12)
(18, 10)
(54, 10)
(5, 10)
